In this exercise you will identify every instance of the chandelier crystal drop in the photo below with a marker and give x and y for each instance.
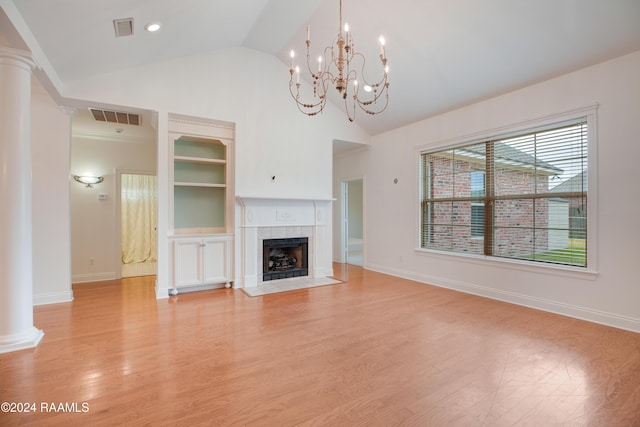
(340, 66)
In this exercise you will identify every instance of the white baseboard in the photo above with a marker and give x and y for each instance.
(323, 272)
(196, 288)
(250, 281)
(24, 340)
(162, 293)
(52, 297)
(94, 277)
(582, 313)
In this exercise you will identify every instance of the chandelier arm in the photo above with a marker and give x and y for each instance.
(376, 94)
(352, 76)
(375, 98)
(309, 59)
(296, 97)
(310, 109)
(383, 79)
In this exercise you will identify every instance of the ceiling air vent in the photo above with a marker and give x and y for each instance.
(115, 117)
(123, 27)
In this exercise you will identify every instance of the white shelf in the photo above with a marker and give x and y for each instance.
(198, 184)
(199, 160)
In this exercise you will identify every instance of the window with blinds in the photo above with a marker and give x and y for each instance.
(521, 196)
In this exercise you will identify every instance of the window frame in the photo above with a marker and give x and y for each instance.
(589, 114)
(475, 226)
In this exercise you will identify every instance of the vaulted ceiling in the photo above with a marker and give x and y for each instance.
(443, 54)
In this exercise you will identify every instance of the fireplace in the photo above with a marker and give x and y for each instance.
(285, 258)
(273, 218)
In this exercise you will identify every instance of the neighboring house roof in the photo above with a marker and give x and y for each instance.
(577, 182)
(506, 154)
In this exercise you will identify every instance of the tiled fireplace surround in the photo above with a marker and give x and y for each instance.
(275, 218)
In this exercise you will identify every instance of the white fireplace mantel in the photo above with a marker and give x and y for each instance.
(265, 218)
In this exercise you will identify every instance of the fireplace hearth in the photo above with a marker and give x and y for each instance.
(285, 258)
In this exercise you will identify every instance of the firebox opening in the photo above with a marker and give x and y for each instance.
(285, 258)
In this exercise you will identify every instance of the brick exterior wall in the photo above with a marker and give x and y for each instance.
(514, 222)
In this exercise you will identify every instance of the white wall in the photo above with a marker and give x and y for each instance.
(247, 88)
(50, 141)
(244, 87)
(94, 223)
(611, 296)
(355, 208)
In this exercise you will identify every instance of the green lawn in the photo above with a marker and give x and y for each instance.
(575, 254)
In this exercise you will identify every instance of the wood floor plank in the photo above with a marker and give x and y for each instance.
(375, 350)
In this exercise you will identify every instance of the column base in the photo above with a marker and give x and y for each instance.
(29, 339)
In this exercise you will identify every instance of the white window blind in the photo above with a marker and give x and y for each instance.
(522, 196)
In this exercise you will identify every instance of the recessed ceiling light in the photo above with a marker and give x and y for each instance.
(152, 27)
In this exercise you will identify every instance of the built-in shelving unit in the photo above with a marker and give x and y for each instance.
(201, 199)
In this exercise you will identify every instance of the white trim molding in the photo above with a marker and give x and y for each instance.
(95, 277)
(52, 297)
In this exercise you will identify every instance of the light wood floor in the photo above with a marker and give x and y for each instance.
(374, 351)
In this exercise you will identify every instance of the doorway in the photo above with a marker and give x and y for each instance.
(353, 219)
(107, 149)
(138, 224)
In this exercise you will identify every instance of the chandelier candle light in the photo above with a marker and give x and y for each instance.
(338, 66)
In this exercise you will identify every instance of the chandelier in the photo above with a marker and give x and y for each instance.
(338, 67)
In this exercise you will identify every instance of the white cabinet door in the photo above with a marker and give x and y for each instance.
(216, 260)
(188, 262)
(202, 260)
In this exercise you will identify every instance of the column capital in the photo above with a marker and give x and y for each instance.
(23, 56)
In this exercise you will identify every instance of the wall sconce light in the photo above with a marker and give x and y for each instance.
(88, 180)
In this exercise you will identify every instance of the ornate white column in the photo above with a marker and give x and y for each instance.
(17, 331)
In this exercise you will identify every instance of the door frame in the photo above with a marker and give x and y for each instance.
(344, 217)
